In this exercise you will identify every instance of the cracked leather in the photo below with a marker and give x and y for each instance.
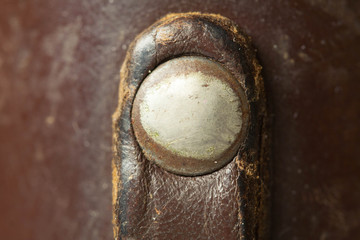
(151, 203)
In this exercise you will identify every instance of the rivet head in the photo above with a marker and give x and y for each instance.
(190, 116)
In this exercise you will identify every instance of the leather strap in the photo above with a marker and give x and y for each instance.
(231, 203)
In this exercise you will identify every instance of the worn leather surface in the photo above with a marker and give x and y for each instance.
(59, 75)
(150, 203)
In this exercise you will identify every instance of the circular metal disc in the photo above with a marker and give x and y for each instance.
(190, 116)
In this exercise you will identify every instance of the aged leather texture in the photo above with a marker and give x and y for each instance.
(232, 203)
(59, 78)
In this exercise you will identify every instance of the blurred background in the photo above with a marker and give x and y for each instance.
(59, 75)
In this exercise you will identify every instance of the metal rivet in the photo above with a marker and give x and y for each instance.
(190, 115)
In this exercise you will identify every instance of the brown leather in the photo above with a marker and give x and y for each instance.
(150, 203)
(59, 76)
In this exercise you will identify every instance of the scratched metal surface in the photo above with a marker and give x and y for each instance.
(59, 72)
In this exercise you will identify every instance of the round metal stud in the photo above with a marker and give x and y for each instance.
(190, 116)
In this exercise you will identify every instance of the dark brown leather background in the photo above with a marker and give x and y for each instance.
(59, 75)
